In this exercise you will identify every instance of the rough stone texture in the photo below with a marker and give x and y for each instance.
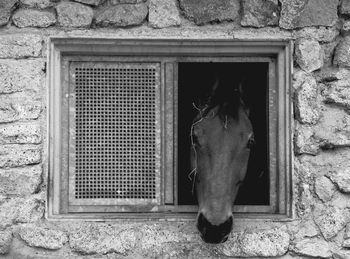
(20, 133)
(157, 241)
(306, 101)
(40, 4)
(324, 188)
(309, 54)
(5, 241)
(304, 140)
(206, 11)
(19, 155)
(346, 242)
(338, 93)
(341, 178)
(122, 15)
(115, 2)
(303, 13)
(345, 30)
(90, 2)
(320, 34)
(304, 229)
(20, 181)
(304, 201)
(19, 106)
(332, 74)
(33, 18)
(31, 75)
(20, 210)
(333, 130)
(342, 254)
(74, 14)
(330, 220)
(328, 50)
(342, 53)
(6, 8)
(259, 14)
(20, 45)
(42, 237)
(163, 14)
(314, 247)
(92, 239)
(272, 242)
(345, 7)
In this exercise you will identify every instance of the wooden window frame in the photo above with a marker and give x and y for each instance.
(168, 53)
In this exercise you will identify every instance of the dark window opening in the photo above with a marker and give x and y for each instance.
(194, 80)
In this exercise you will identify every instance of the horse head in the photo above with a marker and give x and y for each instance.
(221, 136)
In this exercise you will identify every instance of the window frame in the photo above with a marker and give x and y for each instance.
(169, 53)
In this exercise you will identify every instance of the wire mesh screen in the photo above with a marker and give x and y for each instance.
(116, 106)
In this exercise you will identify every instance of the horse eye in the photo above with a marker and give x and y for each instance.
(251, 142)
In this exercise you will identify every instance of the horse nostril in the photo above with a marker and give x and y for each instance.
(214, 233)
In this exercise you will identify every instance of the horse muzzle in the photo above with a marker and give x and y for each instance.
(214, 234)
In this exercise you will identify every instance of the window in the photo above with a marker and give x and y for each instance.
(120, 116)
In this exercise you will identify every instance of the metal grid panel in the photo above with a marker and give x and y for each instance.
(115, 132)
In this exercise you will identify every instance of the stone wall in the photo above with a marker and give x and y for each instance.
(320, 30)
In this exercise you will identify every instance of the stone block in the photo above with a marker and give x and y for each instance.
(324, 188)
(155, 237)
(5, 241)
(304, 140)
(314, 247)
(345, 7)
(321, 34)
(19, 155)
(90, 2)
(36, 236)
(341, 178)
(309, 54)
(20, 133)
(6, 8)
(304, 229)
(103, 238)
(115, 2)
(306, 101)
(19, 106)
(304, 201)
(122, 15)
(332, 74)
(20, 45)
(342, 53)
(257, 13)
(19, 75)
(72, 14)
(330, 220)
(20, 181)
(341, 254)
(260, 243)
(21, 210)
(33, 18)
(328, 50)
(346, 242)
(345, 30)
(207, 11)
(338, 93)
(333, 130)
(304, 13)
(39, 4)
(163, 14)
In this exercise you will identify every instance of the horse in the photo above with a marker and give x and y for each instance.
(221, 138)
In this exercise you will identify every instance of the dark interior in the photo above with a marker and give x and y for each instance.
(194, 81)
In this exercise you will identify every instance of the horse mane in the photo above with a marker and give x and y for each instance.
(226, 96)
